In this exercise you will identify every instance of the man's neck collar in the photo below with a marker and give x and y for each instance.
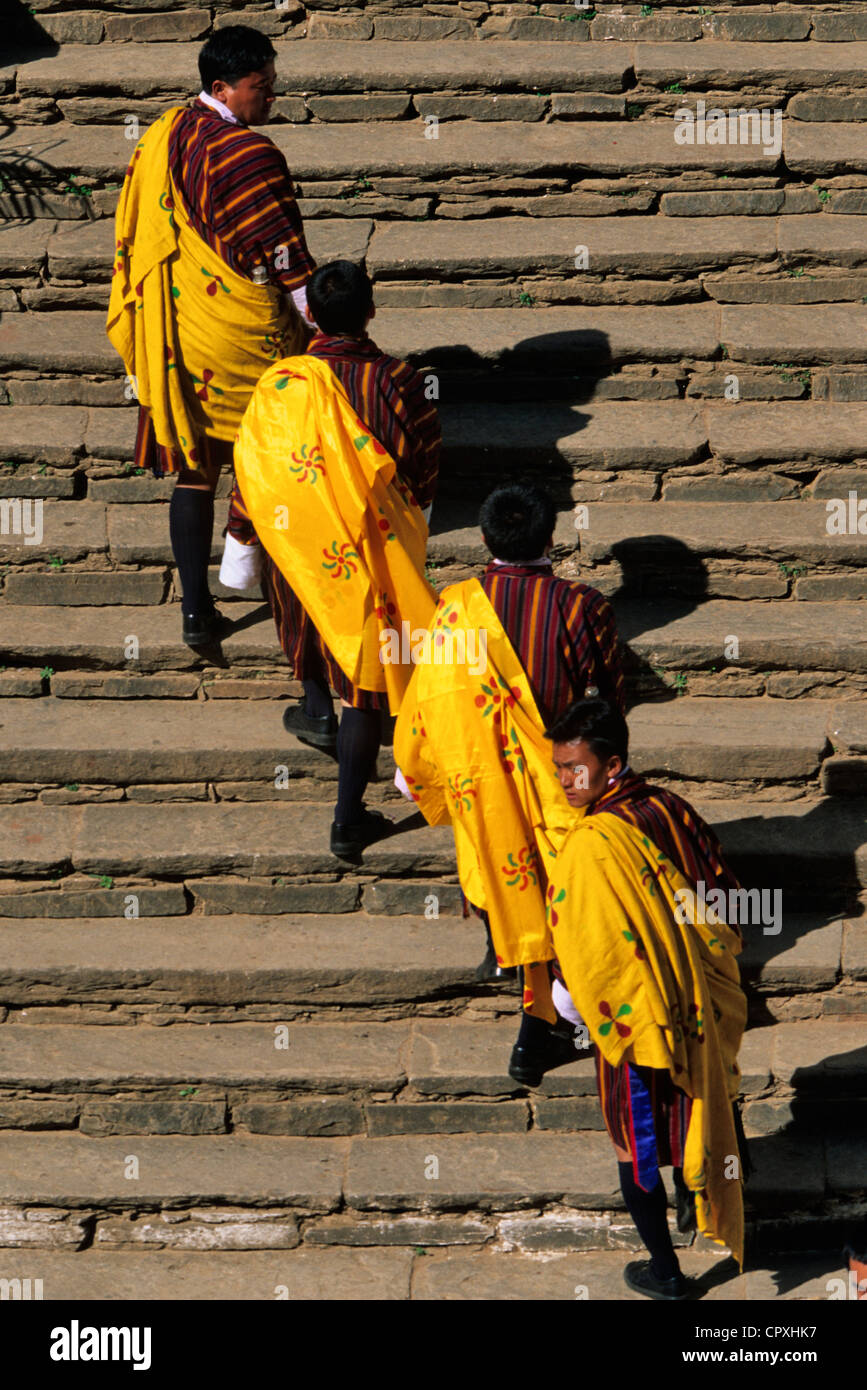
(220, 108)
(523, 564)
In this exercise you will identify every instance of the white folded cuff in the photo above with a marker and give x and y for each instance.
(242, 564)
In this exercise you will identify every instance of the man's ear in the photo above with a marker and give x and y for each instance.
(308, 312)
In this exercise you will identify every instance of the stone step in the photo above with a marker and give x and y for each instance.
(170, 1260)
(815, 848)
(739, 544)
(169, 969)
(502, 253)
(778, 644)
(322, 153)
(327, 1079)
(413, 62)
(57, 741)
(308, 1176)
(548, 343)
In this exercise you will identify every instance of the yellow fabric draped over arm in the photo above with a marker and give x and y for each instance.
(470, 743)
(193, 334)
(656, 980)
(330, 508)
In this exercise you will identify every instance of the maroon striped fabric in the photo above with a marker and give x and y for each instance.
(388, 395)
(563, 633)
(239, 194)
(674, 826)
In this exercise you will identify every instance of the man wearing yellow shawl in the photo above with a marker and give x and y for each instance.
(642, 910)
(337, 457)
(506, 654)
(207, 288)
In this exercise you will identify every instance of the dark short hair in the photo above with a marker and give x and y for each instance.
(517, 522)
(600, 725)
(232, 53)
(340, 297)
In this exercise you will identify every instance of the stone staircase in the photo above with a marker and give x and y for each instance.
(229, 1064)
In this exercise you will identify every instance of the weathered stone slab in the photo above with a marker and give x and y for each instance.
(507, 1117)
(224, 895)
(829, 147)
(727, 66)
(58, 529)
(217, 1230)
(828, 106)
(837, 240)
(334, 151)
(316, 1056)
(52, 435)
(453, 1057)
(794, 333)
(79, 588)
(152, 901)
(855, 949)
(94, 743)
(56, 342)
(503, 107)
(42, 1230)
(328, 959)
(647, 245)
(769, 530)
(483, 439)
(301, 1275)
(419, 1231)
(101, 685)
(808, 431)
(86, 250)
(652, 29)
(507, 1171)
(382, 65)
(326, 1118)
(758, 28)
(804, 955)
(175, 1171)
(757, 202)
(22, 246)
(36, 839)
(102, 1117)
(38, 1114)
(820, 1057)
(155, 28)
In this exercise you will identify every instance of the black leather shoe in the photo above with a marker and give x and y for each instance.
(347, 841)
(320, 731)
(528, 1063)
(639, 1275)
(201, 629)
(491, 972)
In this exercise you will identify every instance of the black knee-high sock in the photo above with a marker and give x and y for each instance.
(357, 746)
(648, 1211)
(191, 527)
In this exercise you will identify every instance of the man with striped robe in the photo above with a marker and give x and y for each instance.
(605, 924)
(388, 397)
(563, 635)
(242, 247)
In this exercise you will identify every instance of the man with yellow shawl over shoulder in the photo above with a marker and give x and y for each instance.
(508, 652)
(642, 909)
(208, 288)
